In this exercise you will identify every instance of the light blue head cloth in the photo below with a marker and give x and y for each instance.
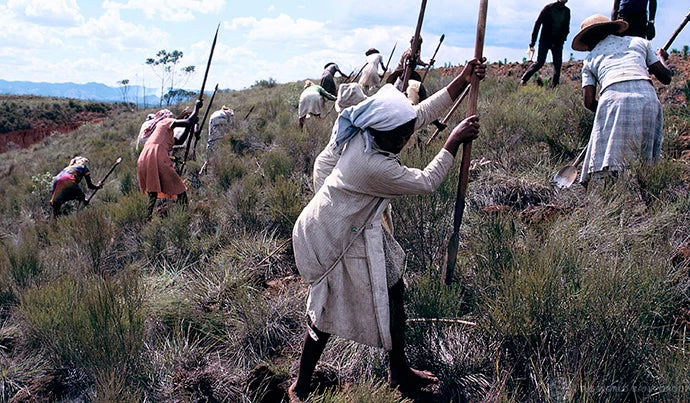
(385, 110)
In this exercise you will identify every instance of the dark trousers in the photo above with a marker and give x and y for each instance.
(637, 24)
(557, 54)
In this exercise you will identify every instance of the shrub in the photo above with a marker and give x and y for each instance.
(94, 325)
(23, 261)
(282, 206)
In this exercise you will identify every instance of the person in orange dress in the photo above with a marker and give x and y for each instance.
(155, 169)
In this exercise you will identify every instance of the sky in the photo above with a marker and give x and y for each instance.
(83, 41)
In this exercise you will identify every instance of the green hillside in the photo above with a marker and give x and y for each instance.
(571, 296)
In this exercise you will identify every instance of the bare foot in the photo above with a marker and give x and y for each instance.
(411, 378)
(296, 396)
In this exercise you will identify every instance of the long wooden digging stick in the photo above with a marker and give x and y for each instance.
(677, 31)
(452, 251)
(450, 113)
(117, 162)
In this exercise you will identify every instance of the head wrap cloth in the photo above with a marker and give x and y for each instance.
(385, 110)
(160, 115)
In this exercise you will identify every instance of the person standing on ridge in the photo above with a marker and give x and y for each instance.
(554, 21)
(634, 12)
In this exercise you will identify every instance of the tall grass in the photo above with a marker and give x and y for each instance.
(559, 295)
(94, 327)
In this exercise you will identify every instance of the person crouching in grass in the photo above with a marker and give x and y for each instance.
(66, 184)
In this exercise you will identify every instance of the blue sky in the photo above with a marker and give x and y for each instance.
(107, 41)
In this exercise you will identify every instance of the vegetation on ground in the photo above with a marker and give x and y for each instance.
(560, 295)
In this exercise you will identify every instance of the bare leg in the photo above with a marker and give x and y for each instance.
(400, 372)
(56, 209)
(300, 121)
(311, 352)
(182, 200)
(151, 203)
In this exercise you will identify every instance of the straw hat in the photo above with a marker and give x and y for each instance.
(595, 28)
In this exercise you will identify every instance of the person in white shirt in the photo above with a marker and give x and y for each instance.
(371, 78)
(629, 119)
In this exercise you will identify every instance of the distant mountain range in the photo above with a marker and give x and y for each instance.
(89, 91)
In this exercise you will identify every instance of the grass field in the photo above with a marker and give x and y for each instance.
(574, 296)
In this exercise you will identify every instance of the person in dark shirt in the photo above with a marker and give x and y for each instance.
(634, 12)
(328, 78)
(554, 21)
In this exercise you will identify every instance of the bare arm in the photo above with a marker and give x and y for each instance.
(89, 183)
(589, 97)
(652, 9)
(464, 132)
(614, 12)
(189, 122)
(459, 83)
(535, 30)
(660, 70)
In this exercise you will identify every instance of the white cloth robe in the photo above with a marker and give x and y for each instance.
(352, 300)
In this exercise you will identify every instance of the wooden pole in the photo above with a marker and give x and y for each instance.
(677, 31)
(415, 47)
(452, 251)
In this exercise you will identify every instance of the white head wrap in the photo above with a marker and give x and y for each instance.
(79, 160)
(349, 94)
(160, 115)
(385, 110)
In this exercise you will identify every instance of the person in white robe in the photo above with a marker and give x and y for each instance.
(371, 78)
(352, 264)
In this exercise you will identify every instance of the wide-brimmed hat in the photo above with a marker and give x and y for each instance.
(595, 28)
(371, 51)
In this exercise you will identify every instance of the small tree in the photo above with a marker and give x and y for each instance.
(175, 96)
(124, 89)
(164, 66)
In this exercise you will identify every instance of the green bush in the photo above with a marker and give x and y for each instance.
(94, 325)
(23, 262)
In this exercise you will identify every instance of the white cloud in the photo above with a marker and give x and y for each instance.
(59, 13)
(169, 10)
(282, 28)
(110, 33)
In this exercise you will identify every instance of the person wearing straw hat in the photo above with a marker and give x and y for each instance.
(554, 23)
(342, 249)
(634, 12)
(628, 118)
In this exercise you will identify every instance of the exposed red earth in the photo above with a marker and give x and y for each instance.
(669, 95)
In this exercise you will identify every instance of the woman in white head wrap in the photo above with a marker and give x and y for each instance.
(341, 250)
